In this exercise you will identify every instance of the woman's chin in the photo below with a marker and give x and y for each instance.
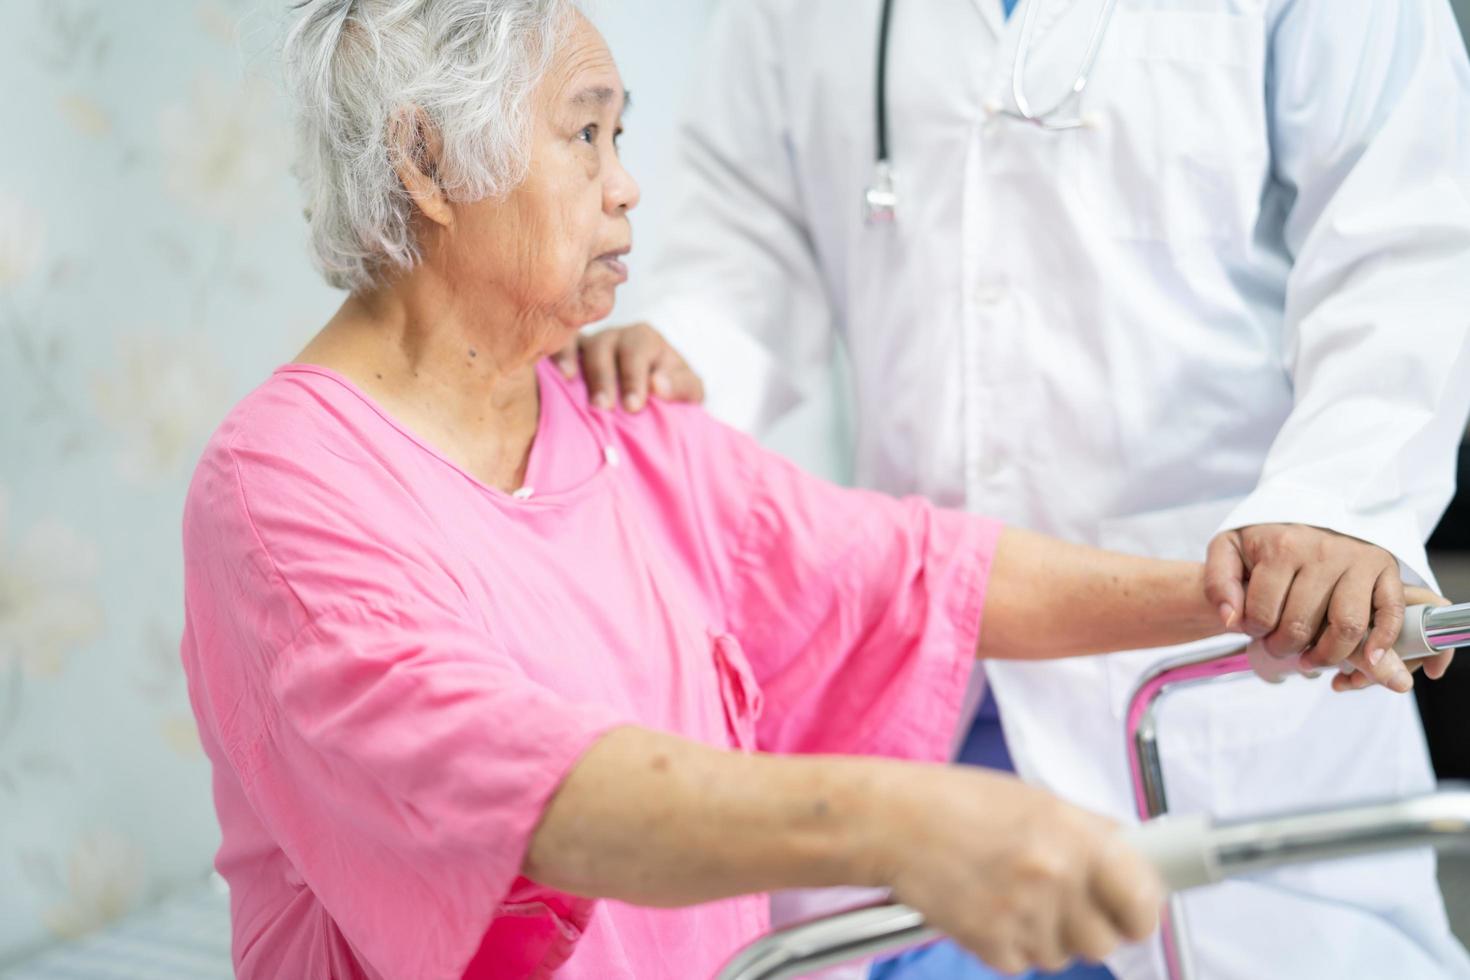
(572, 328)
(598, 306)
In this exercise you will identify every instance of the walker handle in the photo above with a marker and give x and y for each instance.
(1428, 631)
(1188, 852)
(1180, 848)
(1192, 850)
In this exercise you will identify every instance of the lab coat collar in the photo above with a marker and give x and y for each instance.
(993, 14)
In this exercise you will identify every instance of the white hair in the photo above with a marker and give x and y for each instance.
(360, 69)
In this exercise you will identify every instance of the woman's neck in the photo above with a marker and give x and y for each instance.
(466, 384)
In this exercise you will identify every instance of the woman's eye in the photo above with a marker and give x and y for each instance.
(588, 134)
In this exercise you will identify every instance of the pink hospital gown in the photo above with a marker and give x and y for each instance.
(393, 665)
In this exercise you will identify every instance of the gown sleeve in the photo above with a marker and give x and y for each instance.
(859, 613)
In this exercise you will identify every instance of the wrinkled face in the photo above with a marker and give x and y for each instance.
(553, 246)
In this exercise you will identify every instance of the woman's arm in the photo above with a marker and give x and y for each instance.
(1008, 870)
(1049, 598)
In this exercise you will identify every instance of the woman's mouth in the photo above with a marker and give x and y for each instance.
(613, 261)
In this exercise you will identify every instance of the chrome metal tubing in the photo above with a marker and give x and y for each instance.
(1146, 767)
(1440, 820)
(1150, 796)
(1447, 627)
(1239, 847)
(1233, 848)
(856, 934)
(1442, 628)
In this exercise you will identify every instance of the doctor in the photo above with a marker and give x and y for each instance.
(1157, 275)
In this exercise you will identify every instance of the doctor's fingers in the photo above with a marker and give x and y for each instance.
(1388, 614)
(1304, 614)
(1225, 577)
(1347, 615)
(1374, 667)
(1387, 670)
(626, 362)
(618, 362)
(599, 354)
(674, 380)
(1355, 680)
(566, 359)
(637, 347)
(1434, 667)
(1265, 595)
(1358, 672)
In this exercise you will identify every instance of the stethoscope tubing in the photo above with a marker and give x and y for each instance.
(881, 196)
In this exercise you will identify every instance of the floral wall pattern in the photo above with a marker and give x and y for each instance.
(152, 270)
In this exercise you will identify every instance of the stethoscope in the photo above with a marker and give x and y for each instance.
(881, 197)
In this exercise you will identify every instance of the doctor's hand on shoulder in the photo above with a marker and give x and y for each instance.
(1316, 599)
(629, 364)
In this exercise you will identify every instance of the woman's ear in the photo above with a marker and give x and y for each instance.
(417, 146)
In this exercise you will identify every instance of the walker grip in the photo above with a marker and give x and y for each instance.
(1413, 642)
(1180, 848)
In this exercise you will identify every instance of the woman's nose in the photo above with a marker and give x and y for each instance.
(621, 191)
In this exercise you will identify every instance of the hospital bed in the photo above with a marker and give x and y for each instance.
(1189, 851)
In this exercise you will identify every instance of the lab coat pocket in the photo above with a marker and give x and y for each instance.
(1237, 713)
(740, 695)
(1179, 148)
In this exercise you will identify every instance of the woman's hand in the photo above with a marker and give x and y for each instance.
(630, 361)
(1015, 875)
(1010, 871)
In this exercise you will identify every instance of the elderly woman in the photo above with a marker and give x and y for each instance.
(496, 684)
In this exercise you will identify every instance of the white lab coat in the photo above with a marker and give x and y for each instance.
(1241, 296)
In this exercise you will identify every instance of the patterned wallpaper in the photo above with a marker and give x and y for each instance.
(152, 270)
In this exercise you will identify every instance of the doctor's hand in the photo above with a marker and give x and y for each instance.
(1311, 595)
(1361, 676)
(629, 363)
(1012, 873)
